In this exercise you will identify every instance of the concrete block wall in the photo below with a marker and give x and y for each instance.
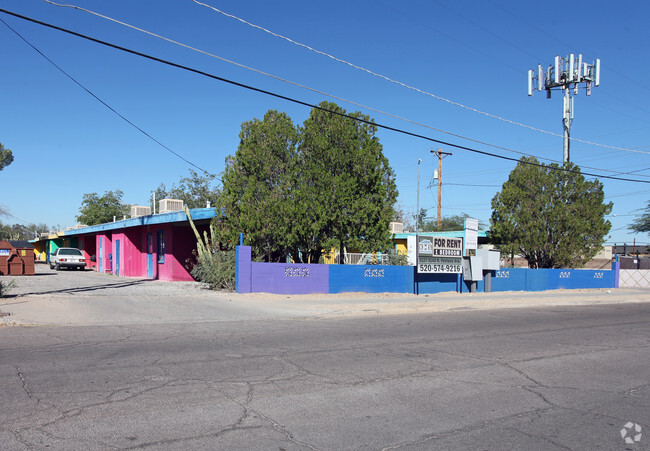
(287, 278)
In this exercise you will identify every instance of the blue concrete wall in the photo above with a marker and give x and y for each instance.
(371, 278)
(437, 283)
(525, 279)
(287, 278)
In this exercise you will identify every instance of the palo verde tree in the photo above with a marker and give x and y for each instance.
(550, 215)
(259, 185)
(97, 209)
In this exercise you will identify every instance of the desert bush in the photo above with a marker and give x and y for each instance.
(217, 270)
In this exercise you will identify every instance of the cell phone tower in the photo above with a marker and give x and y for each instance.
(566, 74)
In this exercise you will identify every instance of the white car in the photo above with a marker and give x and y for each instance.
(67, 257)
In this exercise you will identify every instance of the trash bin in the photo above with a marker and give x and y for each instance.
(16, 258)
(15, 266)
(27, 256)
(5, 253)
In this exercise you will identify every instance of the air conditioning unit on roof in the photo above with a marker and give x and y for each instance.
(396, 227)
(139, 210)
(167, 205)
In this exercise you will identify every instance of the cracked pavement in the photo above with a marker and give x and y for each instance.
(90, 361)
(548, 378)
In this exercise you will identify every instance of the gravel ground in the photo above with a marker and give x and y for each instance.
(69, 297)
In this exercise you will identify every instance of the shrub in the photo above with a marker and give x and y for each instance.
(5, 287)
(217, 270)
(398, 259)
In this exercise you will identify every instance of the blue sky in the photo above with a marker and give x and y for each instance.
(473, 53)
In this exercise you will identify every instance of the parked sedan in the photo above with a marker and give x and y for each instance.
(67, 257)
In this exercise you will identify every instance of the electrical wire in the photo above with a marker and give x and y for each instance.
(303, 103)
(510, 43)
(284, 80)
(315, 90)
(104, 103)
(413, 88)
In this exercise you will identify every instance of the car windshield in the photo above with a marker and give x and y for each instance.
(69, 252)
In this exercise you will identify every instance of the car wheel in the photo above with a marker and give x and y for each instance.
(51, 266)
(58, 267)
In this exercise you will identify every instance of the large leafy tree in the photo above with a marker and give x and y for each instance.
(97, 209)
(550, 215)
(300, 191)
(642, 223)
(6, 157)
(196, 190)
(346, 182)
(259, 185)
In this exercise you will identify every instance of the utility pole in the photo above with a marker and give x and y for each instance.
(440, 154)
(565, 74)
(417, 213)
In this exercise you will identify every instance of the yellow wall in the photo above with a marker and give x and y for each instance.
(401, 246)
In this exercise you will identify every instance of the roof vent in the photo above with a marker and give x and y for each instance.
(167, 205)
(138, 210)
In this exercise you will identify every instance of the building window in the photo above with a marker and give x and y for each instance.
(161, 246)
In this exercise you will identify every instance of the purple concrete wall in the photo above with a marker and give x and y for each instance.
(286, 278)
(243, 269)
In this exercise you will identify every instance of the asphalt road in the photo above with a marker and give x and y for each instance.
(554, 377)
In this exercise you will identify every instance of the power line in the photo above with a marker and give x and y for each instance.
(312, 89)
(451, 38)
(293, 83)
(303, 103)
(104, 103)
(413, 88)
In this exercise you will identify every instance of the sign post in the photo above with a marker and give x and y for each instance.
(471, 235)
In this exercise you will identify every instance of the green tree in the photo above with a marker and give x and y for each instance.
(447, 223)
(196, 190)
(347, 189)
(554, 218)
(259, 185)
(300, 191)
(642, 224)
(97, 209)
(6, 157)
(21, 231)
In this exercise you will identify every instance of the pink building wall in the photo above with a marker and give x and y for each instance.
(104, 248)
(179, 245)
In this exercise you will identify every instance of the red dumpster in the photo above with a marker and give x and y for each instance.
(5, 253)
(16, 258)
(15, 266)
